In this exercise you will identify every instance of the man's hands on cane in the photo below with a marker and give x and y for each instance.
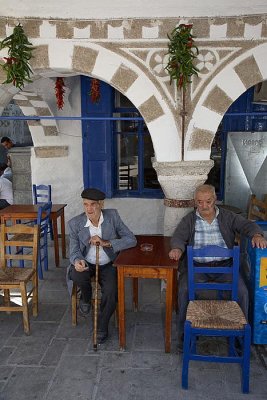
(97, 240)
(80, 266)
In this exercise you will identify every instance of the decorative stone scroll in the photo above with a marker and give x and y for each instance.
(179, 203)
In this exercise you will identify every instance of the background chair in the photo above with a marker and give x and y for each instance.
(218, 318)
(43, 219)
(257, 209)
(16, 278)
(75, 295)
(43, 194)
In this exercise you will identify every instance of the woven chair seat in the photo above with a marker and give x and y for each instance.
(23, 237)
(215, 314)
(14, 275)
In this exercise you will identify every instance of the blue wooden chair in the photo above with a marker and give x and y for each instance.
(42, 194)
(215, 318)
(43, 219)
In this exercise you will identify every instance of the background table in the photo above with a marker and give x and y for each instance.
(30, 211)
(136, 263)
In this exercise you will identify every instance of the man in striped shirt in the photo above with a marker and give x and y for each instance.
(210, 225)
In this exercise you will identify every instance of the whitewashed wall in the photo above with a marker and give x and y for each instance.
(65, 174)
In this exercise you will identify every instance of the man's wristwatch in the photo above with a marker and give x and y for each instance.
(108, 244)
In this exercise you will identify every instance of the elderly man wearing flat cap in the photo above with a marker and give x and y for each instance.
(105, 227)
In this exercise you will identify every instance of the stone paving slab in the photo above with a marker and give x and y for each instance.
(57, 361)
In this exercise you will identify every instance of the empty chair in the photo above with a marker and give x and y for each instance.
(43, 219)
(217, 318)
(42, 194)
(257, 209)
(23, 280)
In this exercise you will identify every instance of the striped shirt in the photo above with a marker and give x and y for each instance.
(208, 234)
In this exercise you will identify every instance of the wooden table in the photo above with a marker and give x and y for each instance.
(30, 211)
(136, 263)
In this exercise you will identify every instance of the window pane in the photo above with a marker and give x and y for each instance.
(150, 175)
(126, 126)
(214, 176)
(122, 101)
(127, 151)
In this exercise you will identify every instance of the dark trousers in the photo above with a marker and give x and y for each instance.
(243, 297)
(3, 204)
(107, 275)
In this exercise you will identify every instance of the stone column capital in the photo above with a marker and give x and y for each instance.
(178, 181)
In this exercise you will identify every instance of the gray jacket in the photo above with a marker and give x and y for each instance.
(229, 223)
(113, 229)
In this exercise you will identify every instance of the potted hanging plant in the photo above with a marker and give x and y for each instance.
(182, 51)
(16, 66)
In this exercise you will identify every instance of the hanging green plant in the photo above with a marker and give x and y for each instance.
(17, 67)
(182, 52)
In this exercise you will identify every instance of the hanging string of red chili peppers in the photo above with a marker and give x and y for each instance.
(59, 91)
(95, 90)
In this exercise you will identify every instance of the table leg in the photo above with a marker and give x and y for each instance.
(55, 233)
(135, 294)
(63, 236)
(168, 320)
(121, 304)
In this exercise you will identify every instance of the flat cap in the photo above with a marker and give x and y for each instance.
(93, 194)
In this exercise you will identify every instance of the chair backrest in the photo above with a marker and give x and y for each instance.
(43, 217)
(7, 233)
(257, 209)
(213, 251)
(41, 193)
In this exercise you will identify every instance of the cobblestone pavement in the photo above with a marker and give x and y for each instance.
(57, 360)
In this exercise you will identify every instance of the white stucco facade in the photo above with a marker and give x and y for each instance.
(126, 46)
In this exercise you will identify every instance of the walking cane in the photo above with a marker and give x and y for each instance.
(96, 292)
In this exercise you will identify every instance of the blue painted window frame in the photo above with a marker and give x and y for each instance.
(104, 163)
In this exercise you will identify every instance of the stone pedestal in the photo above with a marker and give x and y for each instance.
(178, 181)
(21, 171)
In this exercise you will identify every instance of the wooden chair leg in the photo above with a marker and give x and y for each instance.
(74, 305)
(35, 296)
(7, 299)
(25, 309)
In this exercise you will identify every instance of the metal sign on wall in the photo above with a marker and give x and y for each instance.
(246, 167)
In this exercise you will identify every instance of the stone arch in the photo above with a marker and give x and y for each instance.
(91, 59)
(242, 73)
(32, 104)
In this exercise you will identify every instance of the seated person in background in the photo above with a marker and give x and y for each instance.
(210, 225)
(7, 142)
(86, 230)
(6, 190)
(5, 145)
(8, 174)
